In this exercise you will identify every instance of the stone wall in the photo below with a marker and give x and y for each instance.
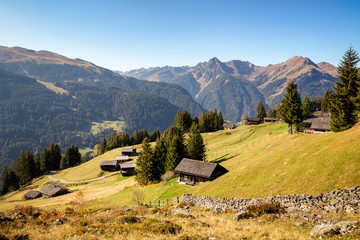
(340, 200)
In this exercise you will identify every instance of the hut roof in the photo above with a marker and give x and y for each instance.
(196, 167)
(127, 165)
(122, 158)
(53, 189)
(129, 150)
(109, 163)
(319, 121)
(271, 119)
(253, 119)
(32, 194)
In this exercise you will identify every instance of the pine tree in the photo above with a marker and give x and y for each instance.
(103, 146)
(187, 119)
(25, 167)
(145, 165)
(37, 164)
(343, 106)
(306, 107)
(179, 121)
(326, 102)
(45, 164)
(71, 157)
(175, 153)
(155, 135)
(55, 156)
(220, 122)
(5, 180)
(261, 113)
(195, 147)
(159, 158)
(291, 107)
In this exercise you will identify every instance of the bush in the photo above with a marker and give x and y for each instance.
(262, 208)
(130, 219)
(158, 227)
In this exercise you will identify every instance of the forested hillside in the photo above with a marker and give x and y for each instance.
(32, 116)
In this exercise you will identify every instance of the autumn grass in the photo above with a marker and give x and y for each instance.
(53, 88)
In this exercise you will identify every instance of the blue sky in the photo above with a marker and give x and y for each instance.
(124, 35)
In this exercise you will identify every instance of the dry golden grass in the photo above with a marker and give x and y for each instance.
(53, 88)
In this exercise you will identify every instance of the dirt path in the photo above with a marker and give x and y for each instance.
(83, 181)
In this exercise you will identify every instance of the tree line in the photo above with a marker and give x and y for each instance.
(343, 104)
(30, 165)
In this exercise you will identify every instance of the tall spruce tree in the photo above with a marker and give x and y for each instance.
(175, 152)
(326, 101)
(145, 165)
(343, 106)
(159, 158)
(261, 113)
(25, 167)
(45, 164)
(9, 179)
(306, 107)
(195, 147)
(291, 107)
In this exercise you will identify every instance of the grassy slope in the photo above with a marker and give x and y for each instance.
(259, 165)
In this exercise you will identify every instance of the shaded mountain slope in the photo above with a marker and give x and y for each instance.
(51, 67)
(32, 116)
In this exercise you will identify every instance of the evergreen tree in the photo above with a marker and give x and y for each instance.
(103, 146)
(55, 156)
(306, 107)
(155, 135)
(204, 124)
(25, 167)
(124, 139)
(37, 164)
(187, 120)
(159, 158)
(71, 157)
(291, 107)
(179, 121)
(261, 113)
(326, 102)
(145, 165)
(272, 112)
(343, 105)
(316, 104)
(175, 153)
(5, 180)
(45, 164)
(220, 122)
(195, 147)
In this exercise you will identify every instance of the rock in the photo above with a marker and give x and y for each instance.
(242, 215)
(326, 229)
(347, 226)
(58, 221)
(299, 223)
(17, 216)
(180, 211)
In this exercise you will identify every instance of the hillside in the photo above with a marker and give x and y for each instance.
(260, 164)
(266, 83)
(33, 115)
(51, 67)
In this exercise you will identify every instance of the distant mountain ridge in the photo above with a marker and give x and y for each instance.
(261, 83)
(52, 67)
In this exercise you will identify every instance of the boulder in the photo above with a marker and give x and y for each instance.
(325, 229)
(242, 215)
(180, 211)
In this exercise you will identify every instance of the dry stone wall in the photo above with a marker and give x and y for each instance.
(340, 200)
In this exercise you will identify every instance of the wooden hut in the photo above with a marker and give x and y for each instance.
(52, 190)
(228, 126)
(121, 159)
(128, 151)
(271, 120)
(252, 121)
(32, 195)
(194, 171)
(127, 169)
(318, 123)
(109, 166)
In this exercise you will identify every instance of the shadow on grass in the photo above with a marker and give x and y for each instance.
(224, 158)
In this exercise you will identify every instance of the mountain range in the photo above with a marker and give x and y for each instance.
(236, 87)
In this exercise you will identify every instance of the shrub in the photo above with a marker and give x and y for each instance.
(167, 176)
(261, 208)
(130, 219)
(158, 227)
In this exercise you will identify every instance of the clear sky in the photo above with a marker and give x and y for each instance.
(124, 35)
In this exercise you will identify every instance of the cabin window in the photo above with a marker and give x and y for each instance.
(185, 177)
